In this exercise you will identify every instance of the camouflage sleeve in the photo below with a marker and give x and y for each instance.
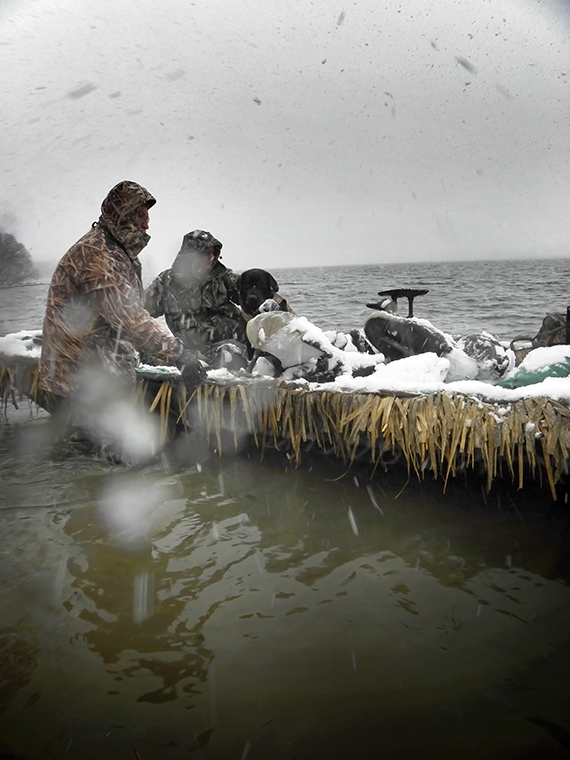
(120, 304)
(232, 285)
(154, 296)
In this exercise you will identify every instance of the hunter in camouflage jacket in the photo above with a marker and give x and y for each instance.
(95, 314)
(198, 296)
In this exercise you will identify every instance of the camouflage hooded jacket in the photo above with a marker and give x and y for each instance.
(95, 312)
(197, 304)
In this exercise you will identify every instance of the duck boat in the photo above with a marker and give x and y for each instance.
(517, 428)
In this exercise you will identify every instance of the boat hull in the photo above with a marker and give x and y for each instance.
(441, 433)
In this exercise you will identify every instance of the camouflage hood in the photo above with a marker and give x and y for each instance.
(119, 215)
(198, 241)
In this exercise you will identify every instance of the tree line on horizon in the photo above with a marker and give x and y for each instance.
(16, 265)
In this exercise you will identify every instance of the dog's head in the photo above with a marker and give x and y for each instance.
(255, 286)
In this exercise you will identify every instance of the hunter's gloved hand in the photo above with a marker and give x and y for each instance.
(191, 369)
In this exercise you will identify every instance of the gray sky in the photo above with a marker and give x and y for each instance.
(299, 133)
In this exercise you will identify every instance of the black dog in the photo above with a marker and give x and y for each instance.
(256, 286)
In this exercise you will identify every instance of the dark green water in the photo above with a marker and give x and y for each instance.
(244, 610)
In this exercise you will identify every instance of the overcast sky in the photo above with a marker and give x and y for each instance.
(298, 133)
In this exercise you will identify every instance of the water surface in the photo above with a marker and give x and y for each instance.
(239, 608)
(232, 608)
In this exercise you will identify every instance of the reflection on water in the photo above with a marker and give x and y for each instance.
(240, 609)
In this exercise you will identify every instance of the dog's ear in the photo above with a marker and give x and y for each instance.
(273, 284)
(238, 283)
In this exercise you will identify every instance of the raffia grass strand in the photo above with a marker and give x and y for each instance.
(433, 432)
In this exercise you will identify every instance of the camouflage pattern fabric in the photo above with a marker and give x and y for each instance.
(553, 331)
(197, 303)
(95, 314)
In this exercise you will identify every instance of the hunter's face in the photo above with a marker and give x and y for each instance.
(143, 218)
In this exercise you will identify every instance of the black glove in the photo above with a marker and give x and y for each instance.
(191, 369)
